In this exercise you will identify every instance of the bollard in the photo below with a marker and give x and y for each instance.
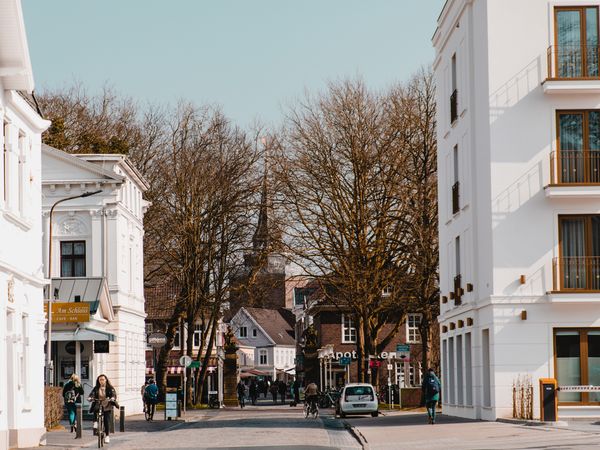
(78, 421)
(111, 420)
(122, 419)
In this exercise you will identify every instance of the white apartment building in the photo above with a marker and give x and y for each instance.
(97, 259)
(21, 276)
(518, 92)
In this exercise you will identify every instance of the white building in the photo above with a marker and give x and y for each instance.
(266, 341)
(518, 131)
(21, 276)
(97, 259)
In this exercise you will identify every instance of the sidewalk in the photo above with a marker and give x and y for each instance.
(134, 426)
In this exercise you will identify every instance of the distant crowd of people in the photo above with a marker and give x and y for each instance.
(279, 389)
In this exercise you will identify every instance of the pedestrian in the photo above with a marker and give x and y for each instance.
(103, 394)
(282, 390)
(274, 391)
(241, 392)
(253, 392)
(72, 392)
(296, 388)
(431, 392)
(143, 394)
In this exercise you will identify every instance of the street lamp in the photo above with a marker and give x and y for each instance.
(49, 365)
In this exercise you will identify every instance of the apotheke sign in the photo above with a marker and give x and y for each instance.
(353, 355)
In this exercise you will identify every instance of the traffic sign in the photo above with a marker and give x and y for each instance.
(402, 348)
(344, 361)
(390, 367)
(195, 365)
(185, 361)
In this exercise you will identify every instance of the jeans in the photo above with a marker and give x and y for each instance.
(71, 408)
(431, 404)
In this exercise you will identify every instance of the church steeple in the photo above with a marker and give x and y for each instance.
(260, 239)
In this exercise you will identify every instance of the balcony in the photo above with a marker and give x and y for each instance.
(574, 174)
(576, 274)
(454, 106)
(572, 69)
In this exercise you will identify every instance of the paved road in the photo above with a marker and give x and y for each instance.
(265, 427)
(411, 431)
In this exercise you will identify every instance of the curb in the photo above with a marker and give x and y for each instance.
(533, 423)
(357, 435)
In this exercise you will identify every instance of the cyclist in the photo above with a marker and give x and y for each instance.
(103, 394)
(151, 397)
(311, 396)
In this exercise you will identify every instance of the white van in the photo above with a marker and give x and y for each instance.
(358, 398)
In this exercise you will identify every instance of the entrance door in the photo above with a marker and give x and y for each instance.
(579, 146)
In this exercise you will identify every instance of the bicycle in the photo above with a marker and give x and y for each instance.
(311, 407)
(101, 431)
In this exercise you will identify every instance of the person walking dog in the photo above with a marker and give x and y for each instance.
(431, 392)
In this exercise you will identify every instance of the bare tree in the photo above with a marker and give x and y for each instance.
(341, 171)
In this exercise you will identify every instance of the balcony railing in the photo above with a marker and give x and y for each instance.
(454, 106)
(455, 198)
(575, 167)
(573, 61)
(576, 273)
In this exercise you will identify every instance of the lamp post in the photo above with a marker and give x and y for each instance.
(49, 365)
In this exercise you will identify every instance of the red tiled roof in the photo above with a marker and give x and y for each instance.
(277, 323)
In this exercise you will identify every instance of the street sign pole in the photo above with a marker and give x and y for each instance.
(185, 361)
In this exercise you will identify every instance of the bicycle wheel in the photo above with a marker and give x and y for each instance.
(316, 412)
(306, 410)
(100, 431)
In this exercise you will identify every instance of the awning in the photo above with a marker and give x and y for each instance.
(92, 290)
(82, 334)
(172, 370)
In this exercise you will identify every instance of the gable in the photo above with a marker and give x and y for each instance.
(60, 167)
(243, 319)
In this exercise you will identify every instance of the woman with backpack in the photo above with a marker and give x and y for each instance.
(103, 394)
(72, 392)
(431, 392)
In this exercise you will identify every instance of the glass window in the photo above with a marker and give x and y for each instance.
(576, 49)
(301, 295)
(568, 364)
(412, 328)
(254, 332)
(593, 363)
(262, 357)
(197, 334)
(72, 259)
(243, 332)
(348, 329)
(579, 263)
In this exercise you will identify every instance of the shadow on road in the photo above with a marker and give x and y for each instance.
(403, 420)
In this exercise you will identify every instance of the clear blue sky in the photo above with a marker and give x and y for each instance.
(252, 57)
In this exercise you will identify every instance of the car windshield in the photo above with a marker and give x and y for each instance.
(360, 391)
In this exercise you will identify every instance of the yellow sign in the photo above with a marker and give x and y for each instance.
(69, 312)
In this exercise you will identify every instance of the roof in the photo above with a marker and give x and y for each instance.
(161, 300)
(278, 324)
(15, 64)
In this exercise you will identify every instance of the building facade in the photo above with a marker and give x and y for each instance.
(96, 260)
(21, 277)
(518, 93)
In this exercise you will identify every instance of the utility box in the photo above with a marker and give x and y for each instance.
(548, 400)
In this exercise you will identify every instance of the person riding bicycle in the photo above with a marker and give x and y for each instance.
(311, 394)
(151, 396)
(103, 394)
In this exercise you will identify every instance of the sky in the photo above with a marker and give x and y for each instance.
(252, 57)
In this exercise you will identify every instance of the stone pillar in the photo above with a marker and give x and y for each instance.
(230, 379)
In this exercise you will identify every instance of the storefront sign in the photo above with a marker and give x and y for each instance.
(353, 355)
(157, 340)
(69, 312)
(101, 347)
(402, 348)
(171, 405)
(344, 361)
(588, 388)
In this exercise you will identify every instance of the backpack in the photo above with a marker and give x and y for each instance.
(152, 393)
(70, 396)
(433, 386)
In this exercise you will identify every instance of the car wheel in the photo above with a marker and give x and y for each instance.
(375, 414)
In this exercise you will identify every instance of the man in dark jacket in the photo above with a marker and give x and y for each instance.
(431, 393)
(282, 390)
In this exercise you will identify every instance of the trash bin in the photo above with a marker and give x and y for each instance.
(548, 400)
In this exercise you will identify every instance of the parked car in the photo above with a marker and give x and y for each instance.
(358, 398)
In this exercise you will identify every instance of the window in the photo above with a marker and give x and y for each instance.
(262, 357)
(348, 329)
(485, 362)
(412, 328)
(5, 164)
(577, 356)
(578, 144)
(254, 332)
(457, 277)
(576, 42)
(579, 258)
(177, 339)
(21, 173)
(301, 295)
(149, 327)
(454, 95)
(243, 332)
(387, 291)
(197, 334)
(455, 185)
(72, 259)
